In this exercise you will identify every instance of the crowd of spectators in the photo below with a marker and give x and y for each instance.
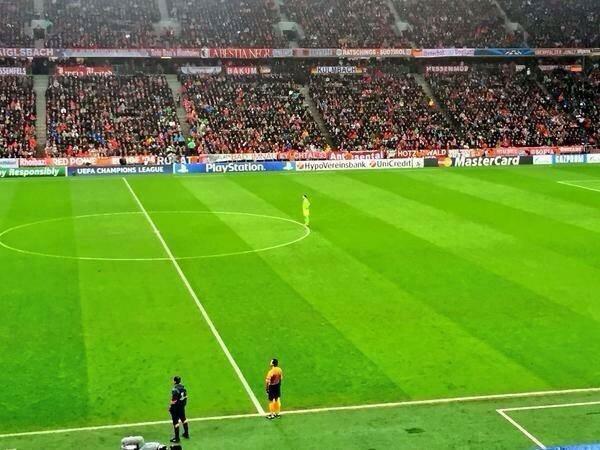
(17, 117)
(324, 24)
(380, 111)
(579, 95)
(102, 23)
(255, 113)
(344, 23)
(103, 115)
(456, 23)
(15, 15)
(227, 23)
(557, 23)
(501, 108)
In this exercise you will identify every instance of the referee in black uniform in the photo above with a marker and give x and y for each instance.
(177, 409)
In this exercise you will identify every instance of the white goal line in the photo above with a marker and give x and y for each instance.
(317, 410)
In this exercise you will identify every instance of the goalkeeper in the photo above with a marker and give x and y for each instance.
(306, 210)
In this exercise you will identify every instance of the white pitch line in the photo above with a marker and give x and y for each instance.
(522, 429)
(179, 258)
(566, 183)
(321, 410)
(208, 320)
(558, 405)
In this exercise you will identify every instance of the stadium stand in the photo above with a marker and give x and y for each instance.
(248, 114)
(102, 23)
(217, 23)
(104, 115)
(456, 23)
(579, 95)
(557, 23)
(380, 111)
(344, 23)
(17, 117)
(15, 15)
(498, 107)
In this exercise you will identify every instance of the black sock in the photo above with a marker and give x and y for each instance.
(186, 429)
(176, 432)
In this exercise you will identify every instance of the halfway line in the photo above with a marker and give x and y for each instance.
(208, 320)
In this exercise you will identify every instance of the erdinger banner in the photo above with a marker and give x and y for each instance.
(486, 161)
(12, 71)
(84, 70)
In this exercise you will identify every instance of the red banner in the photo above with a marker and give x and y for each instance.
(431, 153)
(264, 53)
(84, 70)
(237, 53)
(446, 69)
(242, 70)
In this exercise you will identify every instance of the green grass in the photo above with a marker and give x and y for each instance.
(412, 285)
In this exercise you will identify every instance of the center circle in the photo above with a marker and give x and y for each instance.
(128, 236)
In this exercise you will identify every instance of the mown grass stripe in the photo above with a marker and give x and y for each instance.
(43, 352)
(473, 304)
(567, 281)
(329, 216)
(296, 319)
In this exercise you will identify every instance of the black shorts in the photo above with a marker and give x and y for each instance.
(178, 414)
(274, 391)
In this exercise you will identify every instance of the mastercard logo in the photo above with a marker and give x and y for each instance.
(446, 162)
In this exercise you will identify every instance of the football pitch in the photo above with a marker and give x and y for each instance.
(431, 295)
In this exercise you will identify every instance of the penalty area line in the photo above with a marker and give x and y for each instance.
(504, 413)
(192, 293)
(522, 429)
(318, 410)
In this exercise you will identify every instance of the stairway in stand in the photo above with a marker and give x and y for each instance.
(40, 85)
(175, 86)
